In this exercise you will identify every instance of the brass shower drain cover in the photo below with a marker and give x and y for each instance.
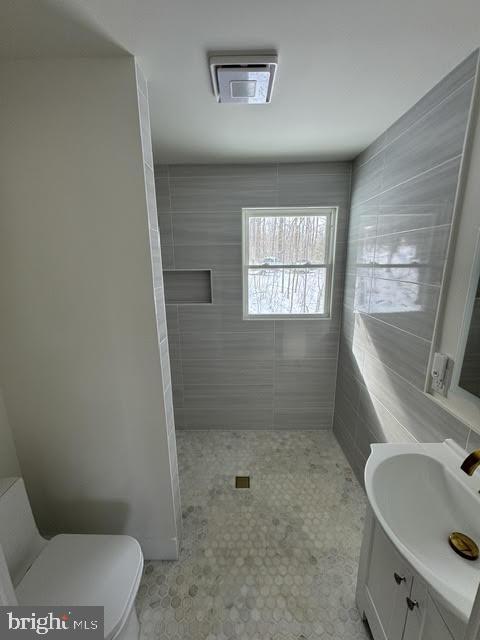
(463, 545)
(242, 482)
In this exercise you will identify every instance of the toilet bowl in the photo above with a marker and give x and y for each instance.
(69, 569)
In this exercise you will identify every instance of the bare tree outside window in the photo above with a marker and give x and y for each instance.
(288, 256)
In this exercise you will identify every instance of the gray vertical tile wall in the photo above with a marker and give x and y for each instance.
(158, 292)
(227, 372)
(403, 192)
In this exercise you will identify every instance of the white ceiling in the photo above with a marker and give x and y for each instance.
(347, 68)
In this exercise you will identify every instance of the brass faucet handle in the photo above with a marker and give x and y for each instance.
(471, 462)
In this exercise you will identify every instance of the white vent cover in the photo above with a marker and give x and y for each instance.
(243, 79)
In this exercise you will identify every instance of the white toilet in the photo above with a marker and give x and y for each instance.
(102, 570)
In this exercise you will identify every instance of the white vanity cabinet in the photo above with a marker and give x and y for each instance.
(423, 620)
(393, 598)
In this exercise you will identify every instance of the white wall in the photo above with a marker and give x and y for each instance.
(79, 359)
(8, 456)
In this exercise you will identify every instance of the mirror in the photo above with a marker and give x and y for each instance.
(456, 336)
(469, 378)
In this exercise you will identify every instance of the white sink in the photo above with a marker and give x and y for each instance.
(419, 496)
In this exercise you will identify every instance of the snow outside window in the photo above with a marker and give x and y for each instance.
(288, 262)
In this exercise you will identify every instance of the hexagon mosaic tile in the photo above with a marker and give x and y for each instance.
(277, 561)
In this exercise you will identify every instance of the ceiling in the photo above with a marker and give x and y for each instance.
(347, 68)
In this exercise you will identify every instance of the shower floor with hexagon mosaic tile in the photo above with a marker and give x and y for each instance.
(276, 561)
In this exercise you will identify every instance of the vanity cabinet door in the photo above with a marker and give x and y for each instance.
(424, 621)
(388, 584)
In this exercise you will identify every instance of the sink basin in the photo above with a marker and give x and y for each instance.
(419, 495)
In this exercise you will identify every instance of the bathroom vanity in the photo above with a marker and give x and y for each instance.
(411, 584)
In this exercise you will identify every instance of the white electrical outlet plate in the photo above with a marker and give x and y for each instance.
(440, 373)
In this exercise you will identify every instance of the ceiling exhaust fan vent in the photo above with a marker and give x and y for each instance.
(246, 79)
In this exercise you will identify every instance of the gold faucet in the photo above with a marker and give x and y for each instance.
(471, 462)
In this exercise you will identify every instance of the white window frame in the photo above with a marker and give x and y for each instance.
(331, 213)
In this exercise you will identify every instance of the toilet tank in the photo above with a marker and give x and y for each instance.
(19, 537)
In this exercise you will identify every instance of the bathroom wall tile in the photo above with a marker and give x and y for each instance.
(145, 132)
(170, 420)
(375, 419)
(343, 215)
(404, 187)
(222, 257)
(348, 322)
(363, 441)
(160, 314)
(357, 290)
(372, 150)
(236, 346)
(304, 383)
(346, 412)
(314, 168)
(171, 311)
(222, 228)
(413, 256)
(164, 221)
(464, 72)
(403, 352)
(227, 288)
(161, 170)
(165, 364)
(295, 339)
(216, 371)
(437, 186)
(346, 441)
(209, 396)
(405, 305)
(151, 197)
(431, 141)
(363, 221)
(313, 190)
(162, 192)
(178, 413)
(367, 179)
(220, 318)
(176, 367)
(361, 254)
(348, 386)
(401, 218)
(174, 347)
(156, 257)
(222, 193)
(225, 418)
(473, 441)
(304, 418)
(168, 257)
(223, 170)
(141, 81)
(425, 420)
(351, 354)
(200, 222)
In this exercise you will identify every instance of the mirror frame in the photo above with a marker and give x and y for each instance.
(460, 279)
(465, 328)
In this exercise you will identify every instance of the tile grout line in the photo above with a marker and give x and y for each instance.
(419, 119)
(407, 180)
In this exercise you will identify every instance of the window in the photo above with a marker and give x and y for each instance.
(288, 262)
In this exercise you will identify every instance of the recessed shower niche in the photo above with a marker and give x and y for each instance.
(188, 286)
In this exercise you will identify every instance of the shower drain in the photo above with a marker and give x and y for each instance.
(242, 482)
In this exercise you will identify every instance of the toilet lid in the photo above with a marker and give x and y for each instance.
(83, 570)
